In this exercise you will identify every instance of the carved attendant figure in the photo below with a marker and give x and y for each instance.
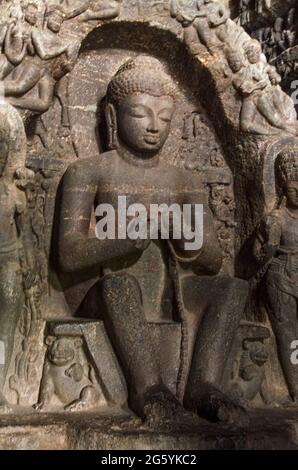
(245, 12)
(265, 109)
(67, 376)
(95, 10)
(262, 5)
(31, 19)
(31, 85)
(204, 16)
(12, 204)
(31, 14)
(48, 43)
(137, 281)
(277, 248)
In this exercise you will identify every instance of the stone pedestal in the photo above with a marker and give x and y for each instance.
(269, 429)
(99, 354)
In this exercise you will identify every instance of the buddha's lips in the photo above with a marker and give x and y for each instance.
(151, 139)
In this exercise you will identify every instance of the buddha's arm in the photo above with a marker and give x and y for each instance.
(76, 250)
(209, 257)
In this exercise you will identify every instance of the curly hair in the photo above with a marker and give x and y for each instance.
(143, 74)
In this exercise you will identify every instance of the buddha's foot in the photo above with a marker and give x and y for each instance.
(162, 409)
(216, 406)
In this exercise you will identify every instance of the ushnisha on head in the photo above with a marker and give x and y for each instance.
(287, 175)
(140, 106)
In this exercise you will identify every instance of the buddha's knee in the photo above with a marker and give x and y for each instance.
(121, 288)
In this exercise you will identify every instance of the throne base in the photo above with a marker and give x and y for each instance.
(269, 429)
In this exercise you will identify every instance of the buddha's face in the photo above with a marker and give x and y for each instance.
(144, 122)
(291, 193)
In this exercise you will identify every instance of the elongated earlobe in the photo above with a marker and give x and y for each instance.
(111, 121)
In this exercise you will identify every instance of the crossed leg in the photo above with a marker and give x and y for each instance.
(213, 323)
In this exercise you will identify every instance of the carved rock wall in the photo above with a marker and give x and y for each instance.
(69, 69)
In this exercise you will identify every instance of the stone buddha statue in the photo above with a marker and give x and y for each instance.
(151, 280)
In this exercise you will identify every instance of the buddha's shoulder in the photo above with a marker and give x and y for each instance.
(92, 168)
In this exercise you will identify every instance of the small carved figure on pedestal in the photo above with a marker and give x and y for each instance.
(67, 377)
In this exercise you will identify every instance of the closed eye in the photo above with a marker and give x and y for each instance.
(138, 112)
(165, 115)
(138, 115)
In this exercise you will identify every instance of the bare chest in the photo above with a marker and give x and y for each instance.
(141, 186)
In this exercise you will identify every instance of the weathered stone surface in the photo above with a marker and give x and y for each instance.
(168, 102)
(99, 353)
(272, 430)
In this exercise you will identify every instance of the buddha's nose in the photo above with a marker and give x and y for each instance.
(152, 126)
